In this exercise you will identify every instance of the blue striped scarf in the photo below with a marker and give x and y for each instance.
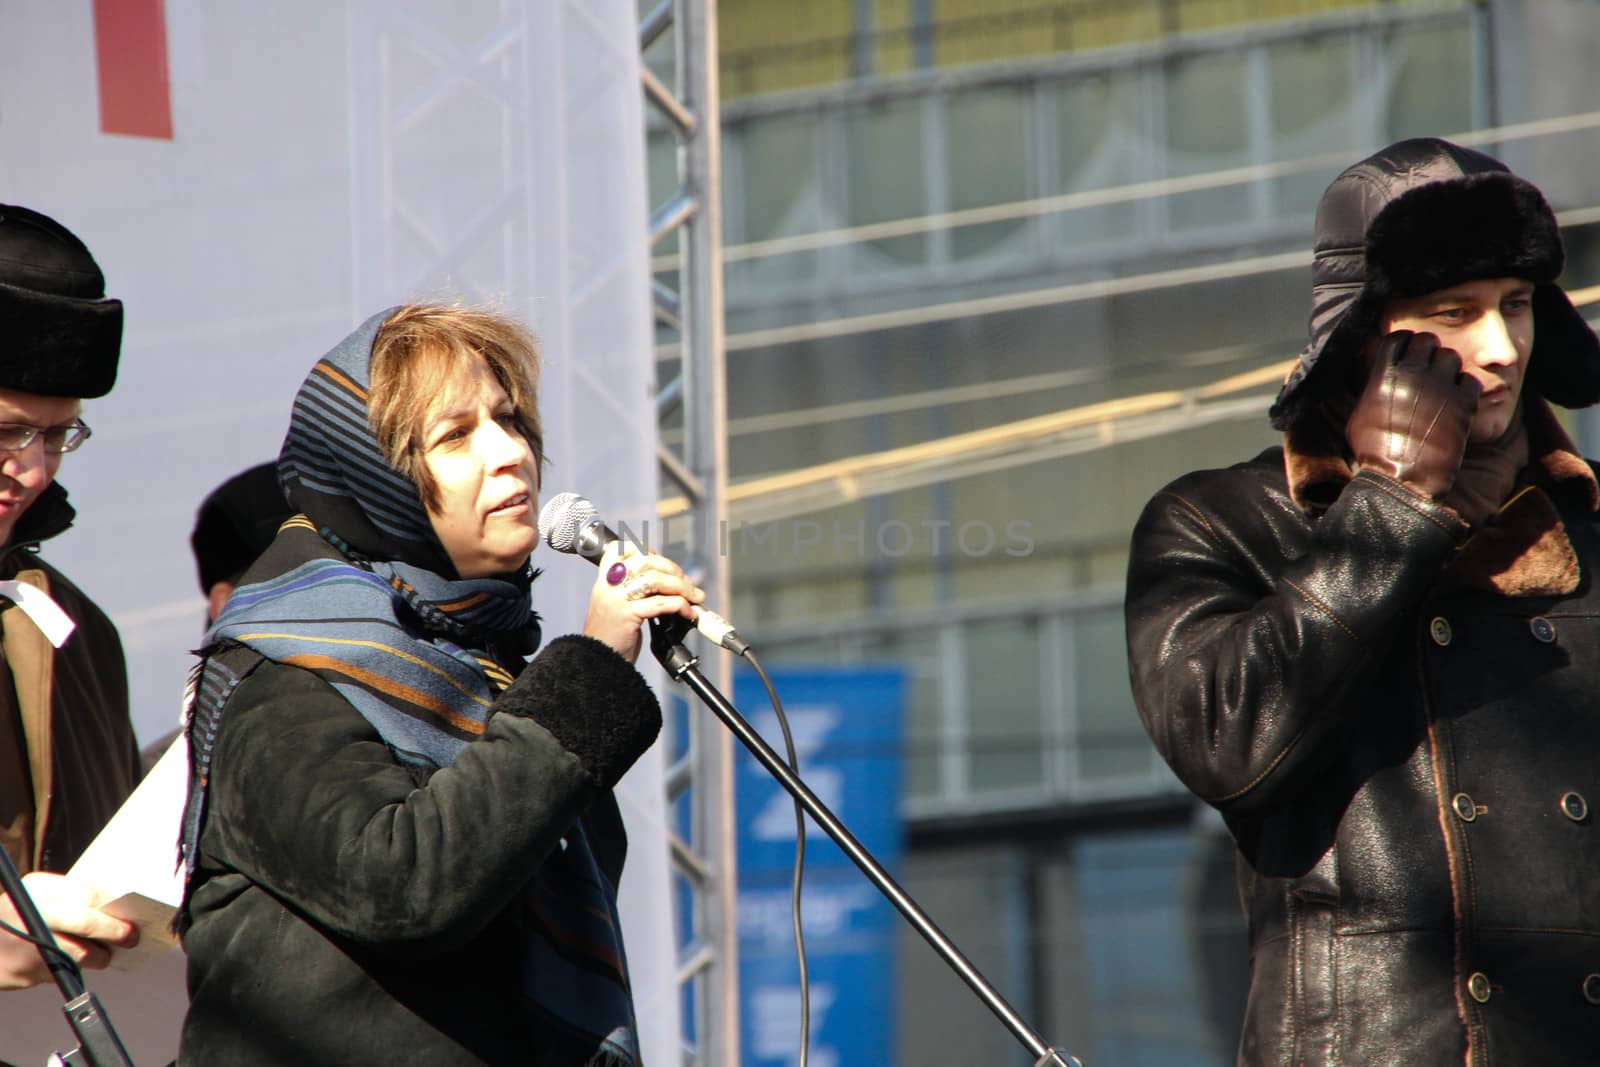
(358, 590)
(428, 696)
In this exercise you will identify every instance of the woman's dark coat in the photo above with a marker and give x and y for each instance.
(333, 887)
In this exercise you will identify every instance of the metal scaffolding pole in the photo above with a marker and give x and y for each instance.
(705, 863)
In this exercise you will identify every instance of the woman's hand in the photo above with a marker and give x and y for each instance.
(650, 586)
(71, 910)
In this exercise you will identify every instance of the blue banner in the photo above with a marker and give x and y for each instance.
(846, 724)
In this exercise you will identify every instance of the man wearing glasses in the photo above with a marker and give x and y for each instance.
(68, 757)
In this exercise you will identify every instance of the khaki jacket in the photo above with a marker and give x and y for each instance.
(71, 702)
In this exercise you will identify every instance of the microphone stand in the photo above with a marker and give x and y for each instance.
(666, 644)
(98, 1043)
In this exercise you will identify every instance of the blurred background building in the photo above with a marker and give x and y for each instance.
(996, 270)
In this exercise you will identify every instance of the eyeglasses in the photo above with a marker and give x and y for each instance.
(15, 436)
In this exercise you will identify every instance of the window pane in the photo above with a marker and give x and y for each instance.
(1137, 951)
(1098, 133)
(986, 159)
(1112, 743)
(1312, 114)
(1431, 93)
(781, 193)
(1003, 701)
(1208, 129)
(917, 652)
(886, 167)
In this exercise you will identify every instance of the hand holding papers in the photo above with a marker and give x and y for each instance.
(132, 865)
(72, 911)
(134, 860)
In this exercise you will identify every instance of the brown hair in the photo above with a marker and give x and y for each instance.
(417, 351)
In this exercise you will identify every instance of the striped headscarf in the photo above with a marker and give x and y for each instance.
(355, 588)
(358, 590)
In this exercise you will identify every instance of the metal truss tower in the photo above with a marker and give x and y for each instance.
(703, 864)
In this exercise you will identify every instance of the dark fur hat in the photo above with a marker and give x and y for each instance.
(236, 523)
(59, 336)
(1420, 216)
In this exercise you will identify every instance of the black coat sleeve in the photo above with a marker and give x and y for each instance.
(306, 800)
(1251, 648)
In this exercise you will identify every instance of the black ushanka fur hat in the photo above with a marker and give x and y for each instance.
(1419, 216)
(59, 336)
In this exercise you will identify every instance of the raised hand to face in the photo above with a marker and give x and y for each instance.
(1413, 418)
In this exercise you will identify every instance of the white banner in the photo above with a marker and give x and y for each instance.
(320, 161)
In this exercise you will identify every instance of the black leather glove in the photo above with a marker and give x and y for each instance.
(1412, 419)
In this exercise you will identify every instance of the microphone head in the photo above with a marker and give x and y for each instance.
(562, 518)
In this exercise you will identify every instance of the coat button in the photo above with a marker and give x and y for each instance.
(1543, 629)
(1465, 809)
(1478, 987)
(1591, 989)
(1574, 807)
(1439, 630)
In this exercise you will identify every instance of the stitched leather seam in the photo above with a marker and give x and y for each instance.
(1322, 605)
(1537, 930)
(1452, 861)
(1293, 978)
(1390, 931)
(1464, 936)
(1395, 491)
(1335, 971)
(1195, 511)
(1283, 754)
(1316, 602)
(1393, 931)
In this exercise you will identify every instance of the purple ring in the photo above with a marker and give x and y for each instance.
(616, 572)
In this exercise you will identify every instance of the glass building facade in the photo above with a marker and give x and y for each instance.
(996, 271)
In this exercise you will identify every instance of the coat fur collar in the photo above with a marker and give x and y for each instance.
(1522, 551)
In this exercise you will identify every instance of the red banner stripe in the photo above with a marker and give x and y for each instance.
(130, 38)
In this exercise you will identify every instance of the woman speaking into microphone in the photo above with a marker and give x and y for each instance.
(401, 842)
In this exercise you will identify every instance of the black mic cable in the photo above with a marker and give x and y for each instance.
(570, 523)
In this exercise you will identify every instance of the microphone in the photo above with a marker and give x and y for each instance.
(569, 523)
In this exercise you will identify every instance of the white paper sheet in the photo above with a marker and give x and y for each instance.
(135, 857)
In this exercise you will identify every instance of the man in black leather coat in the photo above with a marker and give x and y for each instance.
(1376, 650)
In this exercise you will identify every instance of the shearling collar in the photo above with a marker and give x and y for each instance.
(1522, 551)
